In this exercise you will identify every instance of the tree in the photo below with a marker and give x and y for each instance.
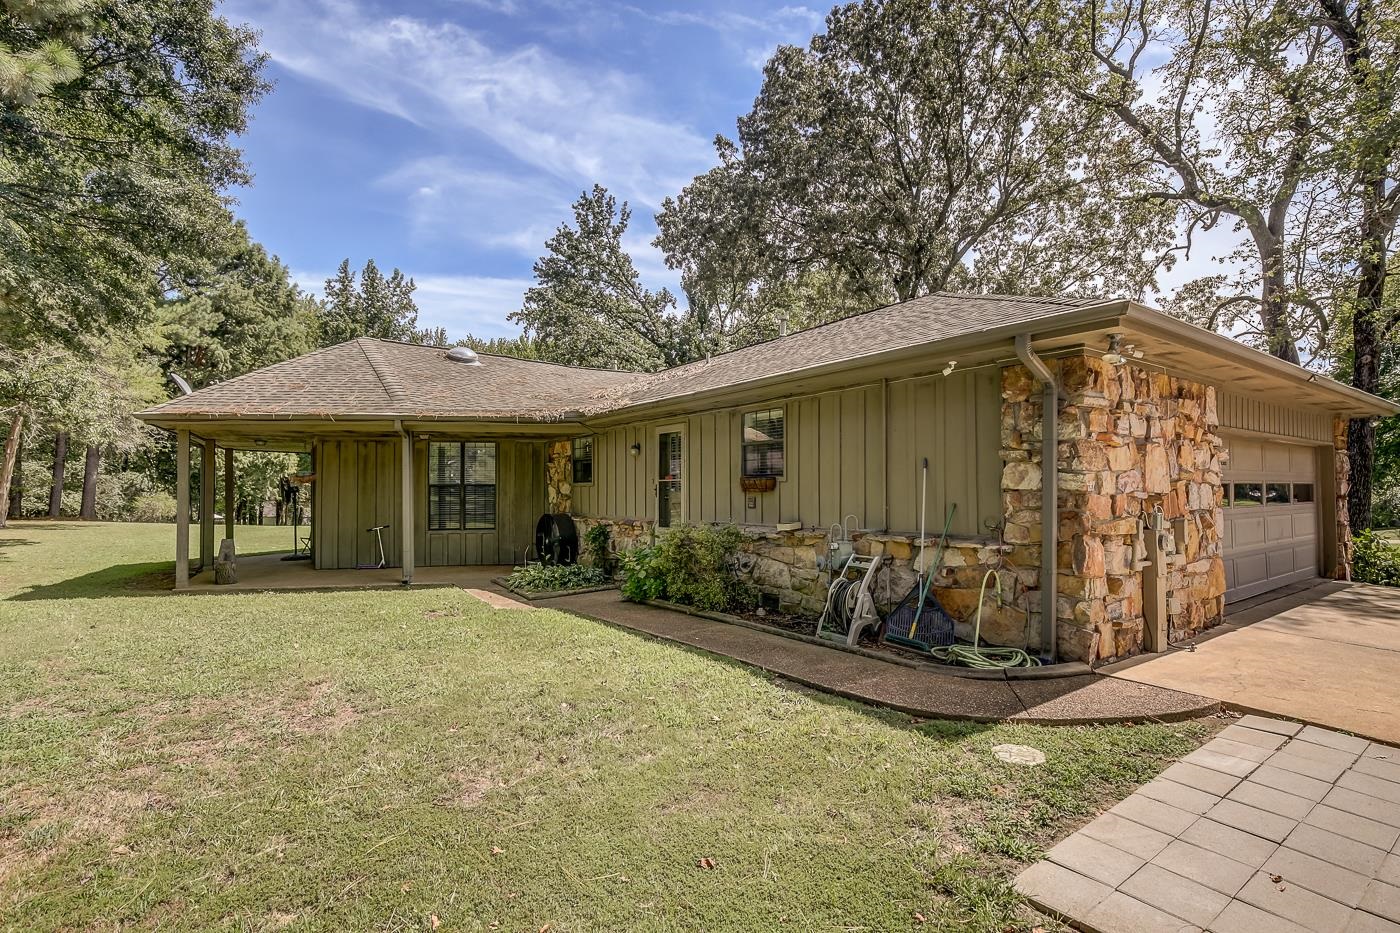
(113, 172)
(246, 314)
(914, 147)
(374, 306)
(1232, 128)
(589, 307)
(1367, 35)
(521, 347)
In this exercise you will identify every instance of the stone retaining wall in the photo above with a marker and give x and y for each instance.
(791, 566)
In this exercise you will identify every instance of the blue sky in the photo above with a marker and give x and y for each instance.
(449, 137)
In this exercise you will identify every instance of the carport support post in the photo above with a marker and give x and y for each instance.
(182, 509)
(406, 485)
(208, 457)
(228, 492)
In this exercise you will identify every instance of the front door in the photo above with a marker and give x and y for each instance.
(670, 466)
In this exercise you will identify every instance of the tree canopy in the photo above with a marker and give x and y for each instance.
(115, 125)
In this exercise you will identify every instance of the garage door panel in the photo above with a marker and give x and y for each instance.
(1280, 562)
(1246, 531)
(1246, 456)
(1269, 539)
(1278, 458)
(1278, 528)
(1251, 568)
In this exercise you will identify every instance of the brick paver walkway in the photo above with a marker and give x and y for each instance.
(1271, 827)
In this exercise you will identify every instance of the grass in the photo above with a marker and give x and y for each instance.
(412, 760)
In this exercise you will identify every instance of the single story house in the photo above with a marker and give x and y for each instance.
(1186, 470)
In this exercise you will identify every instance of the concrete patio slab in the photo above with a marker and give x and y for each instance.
(1326, 655)
(1261, 860)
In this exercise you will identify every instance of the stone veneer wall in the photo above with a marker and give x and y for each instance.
(559, 476)
(1131, 441)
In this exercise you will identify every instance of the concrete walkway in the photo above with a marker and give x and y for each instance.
(1272, 827)
(1077, 699)
(1327, 654)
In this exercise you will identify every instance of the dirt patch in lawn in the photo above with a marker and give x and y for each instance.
(471, 785)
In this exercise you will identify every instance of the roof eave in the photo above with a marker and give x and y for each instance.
(1358, 402)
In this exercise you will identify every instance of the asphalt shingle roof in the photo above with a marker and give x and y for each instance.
(367, 376)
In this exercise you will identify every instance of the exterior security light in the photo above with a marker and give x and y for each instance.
(1114, 353)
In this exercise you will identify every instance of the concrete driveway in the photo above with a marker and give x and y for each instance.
(1327, 654)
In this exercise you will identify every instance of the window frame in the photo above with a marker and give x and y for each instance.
(744, 445)
(574, 459)
(461, 485)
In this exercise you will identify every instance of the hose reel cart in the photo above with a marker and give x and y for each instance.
(850, 600)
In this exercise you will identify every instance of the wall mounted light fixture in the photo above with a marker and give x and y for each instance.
(635, 450)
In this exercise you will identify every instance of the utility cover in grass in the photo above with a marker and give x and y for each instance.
(1019, 755)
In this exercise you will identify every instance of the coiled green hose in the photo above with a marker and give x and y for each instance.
(984, 658)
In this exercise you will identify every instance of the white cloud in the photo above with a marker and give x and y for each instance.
(572, 123)
(447, 197)
(755, 36)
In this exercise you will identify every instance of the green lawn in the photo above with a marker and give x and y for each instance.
(411, 760)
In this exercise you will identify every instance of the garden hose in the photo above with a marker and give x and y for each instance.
(986, 659)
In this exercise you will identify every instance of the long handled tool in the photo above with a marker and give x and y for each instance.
(916, 622)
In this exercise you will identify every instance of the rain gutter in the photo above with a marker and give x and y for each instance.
(1049, 493)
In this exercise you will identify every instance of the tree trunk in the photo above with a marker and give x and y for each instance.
(88, 511)
(1366, 348)
(17, 483)
(1273, 301)
(60, 457)
(7, 469)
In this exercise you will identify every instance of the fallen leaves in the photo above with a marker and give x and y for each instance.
(434, 922)
(497, 850)
(706, 863)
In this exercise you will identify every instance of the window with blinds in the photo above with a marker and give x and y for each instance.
(763, 442)
(461, 486)
(583, 459)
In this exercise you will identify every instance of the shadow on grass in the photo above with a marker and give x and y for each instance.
(153, 578)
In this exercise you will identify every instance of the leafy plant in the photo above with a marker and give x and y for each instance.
(597, 541)
(541, 579)
(641, 577)
(690, 564)
(1375, 560)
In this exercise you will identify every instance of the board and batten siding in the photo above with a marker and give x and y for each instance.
(1246, 413)
(836, 459)
(519, 504)
(357, 487)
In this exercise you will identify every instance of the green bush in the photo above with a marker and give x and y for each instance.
(1375, 560)
(690, 564)
(541, 579)
(597, 544)
(152, 507)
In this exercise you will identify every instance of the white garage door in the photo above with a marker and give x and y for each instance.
(1271, 516)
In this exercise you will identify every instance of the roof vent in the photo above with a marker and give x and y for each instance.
(464, 355)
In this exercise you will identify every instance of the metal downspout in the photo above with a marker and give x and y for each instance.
(1049, 493)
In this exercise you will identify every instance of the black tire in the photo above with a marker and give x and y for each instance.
(556, 540)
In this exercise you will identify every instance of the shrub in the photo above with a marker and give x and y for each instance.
(597, 541)
(152, 507)
(540, 579)
(690, 564)
(1375, 560)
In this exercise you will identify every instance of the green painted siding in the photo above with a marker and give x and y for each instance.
(836, 459)
(357, 487)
